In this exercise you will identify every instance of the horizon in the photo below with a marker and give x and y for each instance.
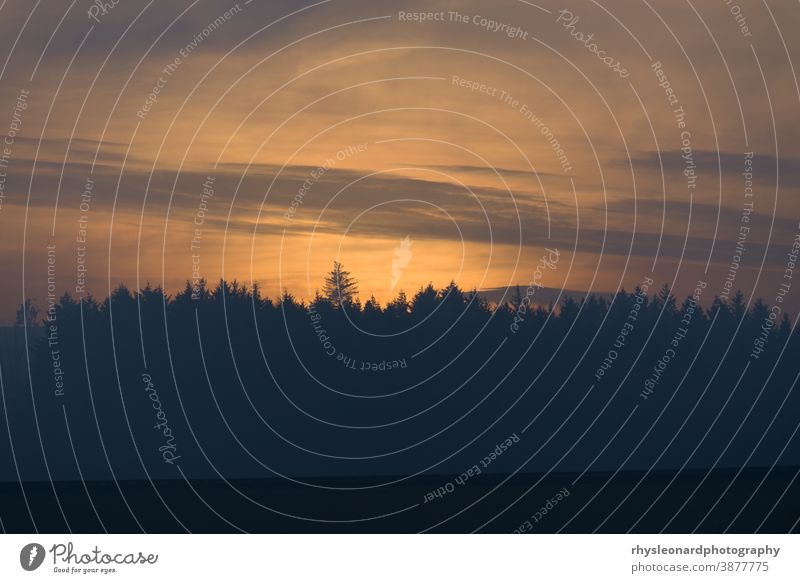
(538, 296)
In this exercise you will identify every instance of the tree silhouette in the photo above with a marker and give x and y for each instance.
(425, 301)
(399, 306)
(27, 315)
(372, 306)
(340, 287)
(738, 306)
(665, 301)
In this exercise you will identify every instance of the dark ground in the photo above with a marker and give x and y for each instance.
(183, 507)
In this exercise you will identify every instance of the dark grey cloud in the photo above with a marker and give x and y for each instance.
(711, 163)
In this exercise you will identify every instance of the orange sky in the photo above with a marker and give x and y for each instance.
(447, 132)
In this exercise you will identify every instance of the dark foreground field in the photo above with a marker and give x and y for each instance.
(596, 502)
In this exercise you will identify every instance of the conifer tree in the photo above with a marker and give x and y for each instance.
(341, 288)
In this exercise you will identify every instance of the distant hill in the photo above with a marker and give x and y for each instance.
(544, 296)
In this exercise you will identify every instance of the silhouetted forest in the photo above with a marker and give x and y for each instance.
(223, 383)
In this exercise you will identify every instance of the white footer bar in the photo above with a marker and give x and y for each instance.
(400, 558)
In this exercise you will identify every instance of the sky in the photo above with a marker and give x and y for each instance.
(160, 142)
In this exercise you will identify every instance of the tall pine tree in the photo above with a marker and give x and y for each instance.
(340, 288)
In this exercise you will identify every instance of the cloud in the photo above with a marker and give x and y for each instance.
(277, 107)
